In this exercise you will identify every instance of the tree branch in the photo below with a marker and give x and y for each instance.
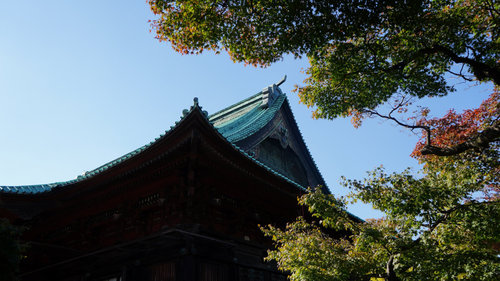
(445, 215)
(481, 70)
(411, 127)
(461, 76)
(481, 141)
(390, 274)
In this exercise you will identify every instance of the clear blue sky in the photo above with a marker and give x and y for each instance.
(84, 82)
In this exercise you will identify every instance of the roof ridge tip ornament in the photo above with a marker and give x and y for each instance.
(195, 105)
(281, 81)
(271, 93)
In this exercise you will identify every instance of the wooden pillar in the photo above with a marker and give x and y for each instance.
(136, 272)
(187, 268)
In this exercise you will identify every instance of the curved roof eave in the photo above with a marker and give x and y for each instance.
(315, 166)
(44, 188)
(251, 122)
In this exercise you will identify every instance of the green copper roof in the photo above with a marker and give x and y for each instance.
(233, 123)
(243, 119)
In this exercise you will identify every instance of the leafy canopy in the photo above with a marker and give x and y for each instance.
(443, 224)
(361, 52)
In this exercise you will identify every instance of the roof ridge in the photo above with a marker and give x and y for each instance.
(233, 107)
(253, 123)
(305, 144)
(42, 188)
(267, 167)
(256, 161)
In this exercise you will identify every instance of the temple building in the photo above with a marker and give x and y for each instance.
(186, 206)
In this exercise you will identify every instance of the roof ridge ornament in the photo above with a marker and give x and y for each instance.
(281, 81)
(195, 104)
(271, 93)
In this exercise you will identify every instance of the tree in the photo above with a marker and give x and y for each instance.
(438, 235)
(441, 223)
(437, 227)
(362, 52)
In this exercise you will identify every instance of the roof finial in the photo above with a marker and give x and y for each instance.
(282, 81)
(195, 100)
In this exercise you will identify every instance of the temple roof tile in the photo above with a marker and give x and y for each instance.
(233, 123)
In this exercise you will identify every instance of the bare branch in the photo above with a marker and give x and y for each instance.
(481, 70)
(480, 141)
(463, 76)
(411, 127)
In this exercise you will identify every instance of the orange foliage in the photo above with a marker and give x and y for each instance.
(454, 128)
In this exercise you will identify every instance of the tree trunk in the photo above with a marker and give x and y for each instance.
(390, 274)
